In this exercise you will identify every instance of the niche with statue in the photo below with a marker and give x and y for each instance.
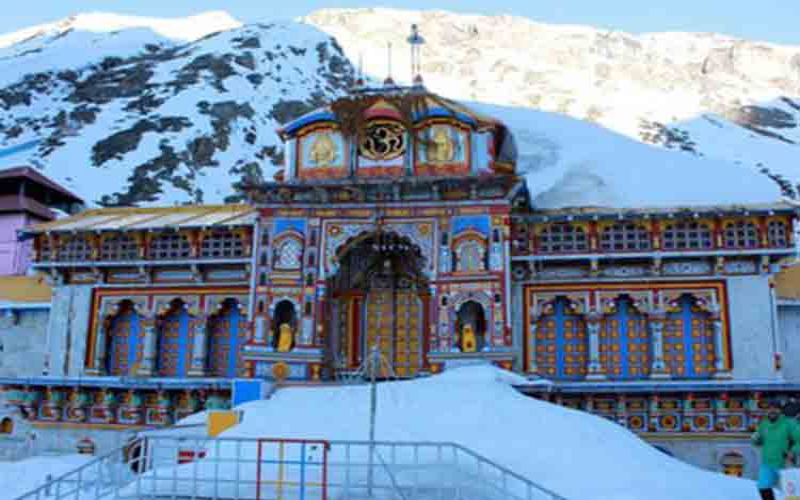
(471, 327)
(284, 326)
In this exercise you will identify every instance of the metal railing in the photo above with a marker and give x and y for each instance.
(181, 468)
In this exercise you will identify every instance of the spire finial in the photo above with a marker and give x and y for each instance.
(360, 78)
(416, 41)
(389, 81)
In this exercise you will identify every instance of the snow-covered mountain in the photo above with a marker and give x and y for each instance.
(130, 110)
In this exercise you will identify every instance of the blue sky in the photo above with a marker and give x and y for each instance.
(772, 20)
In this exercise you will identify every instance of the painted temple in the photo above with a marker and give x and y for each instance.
(400, 225)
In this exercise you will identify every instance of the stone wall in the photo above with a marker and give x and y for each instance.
(789, 326)
(752, 316)
(23, 340)
(69, 326)
(707, 453)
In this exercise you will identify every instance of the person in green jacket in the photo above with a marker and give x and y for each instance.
(779, 438)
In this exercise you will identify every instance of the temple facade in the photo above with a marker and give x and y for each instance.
(400, 228)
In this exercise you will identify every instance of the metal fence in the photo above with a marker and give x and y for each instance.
(181, 468)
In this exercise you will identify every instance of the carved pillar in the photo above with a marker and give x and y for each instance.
(260, 327)
(99, 361)
(533, 366)
(200, 348)
(147, 366)
(658, 368)
(720, 361)
(595, 368)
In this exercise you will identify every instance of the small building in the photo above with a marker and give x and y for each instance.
(27, 197)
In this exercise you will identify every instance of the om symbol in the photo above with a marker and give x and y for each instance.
(383, 141)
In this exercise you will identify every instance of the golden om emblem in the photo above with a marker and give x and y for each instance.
(383, 141)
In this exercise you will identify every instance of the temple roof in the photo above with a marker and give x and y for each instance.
(416, 103)
(130, 219)
(589, 213)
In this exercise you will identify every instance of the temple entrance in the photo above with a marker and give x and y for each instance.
(379, 298)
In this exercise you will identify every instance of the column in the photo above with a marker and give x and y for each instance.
(200, 348)
(100, 342)
(658, 368)
(533, 366)
(260, 328)
(720, 365)
(147, 366)
(595, 369)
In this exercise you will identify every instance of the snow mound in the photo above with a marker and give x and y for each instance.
(573, 163)
(18, 478)
(572, 453)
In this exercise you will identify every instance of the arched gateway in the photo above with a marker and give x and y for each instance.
(378, 298)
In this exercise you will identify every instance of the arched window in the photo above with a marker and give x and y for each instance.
(222, 245)
(688, 341)
(175, 341)
(732, 464)
(119, 247)
(625, 236)
(289, 254)
(741, 234)
(227, 340)
(470, 256)
(778, 235)
(687, 235)
(6, 426)
(625, 343)
(471, 314)
(562, 238)
(170, 246)
(561, 343)
(76, 248)
(126, 341)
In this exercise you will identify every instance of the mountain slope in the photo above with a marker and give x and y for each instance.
(140, 119)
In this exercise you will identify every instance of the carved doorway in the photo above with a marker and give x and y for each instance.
(379, 298)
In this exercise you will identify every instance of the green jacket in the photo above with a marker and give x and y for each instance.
(777, 439)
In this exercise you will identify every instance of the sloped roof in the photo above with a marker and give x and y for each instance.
(122, 219)
(24, 289)
(33, 175)
(431, 106)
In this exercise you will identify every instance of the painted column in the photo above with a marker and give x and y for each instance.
(595, 368)
(148, 365)
(658, 368)
(533, 366)
(200, 348)
(260, 328)
(100, 355)
(720, 365)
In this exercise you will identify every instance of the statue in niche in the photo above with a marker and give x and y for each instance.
(469, 342)
(440, 148)
(323, 150)
(285, 338)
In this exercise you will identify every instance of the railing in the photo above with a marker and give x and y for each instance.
(98, 479)
(174, 467)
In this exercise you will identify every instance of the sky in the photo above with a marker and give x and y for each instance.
(776, 21)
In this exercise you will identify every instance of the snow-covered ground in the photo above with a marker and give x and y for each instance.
(18, 478)
(577, 455)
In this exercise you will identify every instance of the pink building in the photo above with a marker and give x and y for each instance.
(27, 197)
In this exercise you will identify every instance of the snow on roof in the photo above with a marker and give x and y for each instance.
(575, 454)
(572, 163)
(110, 219)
